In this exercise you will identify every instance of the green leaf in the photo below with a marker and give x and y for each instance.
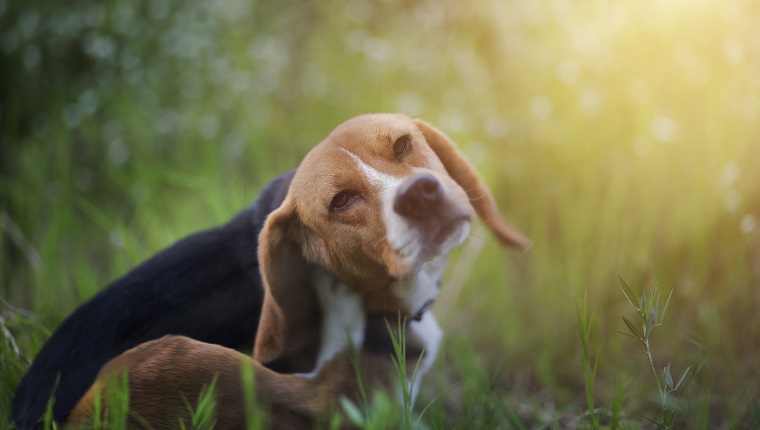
(654, 311)
(667, 302)
(683, 376)
(628, 293)
(667, 376)
(616, 403)
(626, 334)
(643, 307)
(654, 294)
(635, 330)
(352, 412)
(692, 374)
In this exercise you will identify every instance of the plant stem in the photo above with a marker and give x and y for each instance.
(654, 370)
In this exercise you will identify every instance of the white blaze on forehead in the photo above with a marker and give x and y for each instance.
(400, 235)
(374, 176)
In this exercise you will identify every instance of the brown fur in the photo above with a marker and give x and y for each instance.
(480, 197)
(165, 373)
(300, 237)
(352, 248)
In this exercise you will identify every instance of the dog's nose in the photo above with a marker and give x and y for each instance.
(418, 197)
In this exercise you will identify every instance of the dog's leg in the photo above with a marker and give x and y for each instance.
(166, 376)
(167, 373)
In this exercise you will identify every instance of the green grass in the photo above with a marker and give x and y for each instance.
(620, 136)
(589, 369)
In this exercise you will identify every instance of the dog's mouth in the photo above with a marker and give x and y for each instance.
(421, 312)
(434, 239)
(448, 229)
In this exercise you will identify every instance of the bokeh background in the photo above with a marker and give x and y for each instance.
(623, 137)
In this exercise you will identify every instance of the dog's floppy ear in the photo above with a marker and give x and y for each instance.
(289, 303)
(465, 175)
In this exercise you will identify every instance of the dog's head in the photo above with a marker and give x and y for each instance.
(378, 205)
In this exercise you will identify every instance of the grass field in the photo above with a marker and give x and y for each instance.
(622, 137)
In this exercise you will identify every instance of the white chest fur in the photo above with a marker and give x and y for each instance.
(431, 334)
(344, 321)
(343, 318)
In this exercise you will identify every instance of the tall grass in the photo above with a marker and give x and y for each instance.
(589, 369)
(620, 136)
(652, 315)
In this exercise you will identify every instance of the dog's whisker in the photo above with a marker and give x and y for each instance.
(472, 199)
(486, 239)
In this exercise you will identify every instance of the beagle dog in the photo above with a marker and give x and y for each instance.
(363, 233)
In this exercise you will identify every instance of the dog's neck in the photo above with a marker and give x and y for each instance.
(420, 290)
(344, 317)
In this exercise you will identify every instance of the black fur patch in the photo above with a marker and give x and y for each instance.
(377, 338)
(207, 286)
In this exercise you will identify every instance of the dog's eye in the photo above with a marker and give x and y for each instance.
(342, 200)
(402, 145)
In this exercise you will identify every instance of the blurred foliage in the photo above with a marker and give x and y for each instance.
(621, 136)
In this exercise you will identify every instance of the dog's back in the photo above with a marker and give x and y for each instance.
(206, 286)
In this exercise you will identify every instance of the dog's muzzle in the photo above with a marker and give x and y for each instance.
(422, 201)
